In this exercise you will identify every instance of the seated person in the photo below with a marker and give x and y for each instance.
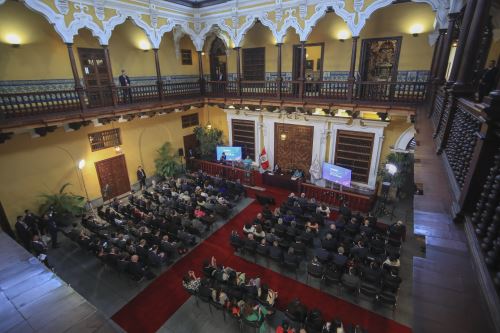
(297, 310)
(248, 229)
(350, 279)
(275, 251)
(156, 258)
(324, 210)
(235, 239)
(250, 242)
(392, 261)
(191, 282)
(290, 257)
(329, 243)
(313, 225)
(266, 295)
(259, 233)
(285, 328)
(297, 174)
(277, 169)
(340, 259)
(256, 313)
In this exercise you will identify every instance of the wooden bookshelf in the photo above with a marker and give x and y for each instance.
(244, 136)
(353, 151)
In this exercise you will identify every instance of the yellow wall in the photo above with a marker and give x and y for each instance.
(47, 58)
(42, 54)
(30, 166)
(392, 132)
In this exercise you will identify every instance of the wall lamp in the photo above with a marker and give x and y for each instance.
(416, 29)
(343, 35)
(13, 40)
(144, 45)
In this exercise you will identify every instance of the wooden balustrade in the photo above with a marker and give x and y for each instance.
(225, 171)
(437, 109)
(355, 202)
(336, 90)
(459, 147)
(28, 104)
(181, 89)
(259, 88)
(40, 103)
(137, 94)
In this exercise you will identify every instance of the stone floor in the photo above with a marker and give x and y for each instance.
(34, 299)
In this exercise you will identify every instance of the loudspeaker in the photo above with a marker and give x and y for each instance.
(181, 152)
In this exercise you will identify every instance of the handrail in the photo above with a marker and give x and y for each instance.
(24, 104)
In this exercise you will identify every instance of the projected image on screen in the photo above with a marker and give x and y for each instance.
(337, 174)
(232, 153)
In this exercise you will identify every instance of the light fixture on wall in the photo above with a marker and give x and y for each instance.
(81, 164)
(283, 132)
(416, 29)
(13, 40)
(118, 149)
(343, 35)
(144, 45)
(202, 53)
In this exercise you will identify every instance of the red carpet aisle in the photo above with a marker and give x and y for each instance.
(149, 310)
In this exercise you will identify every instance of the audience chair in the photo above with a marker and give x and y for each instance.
(315, 272)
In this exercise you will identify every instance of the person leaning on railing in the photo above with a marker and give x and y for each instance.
(125, 82)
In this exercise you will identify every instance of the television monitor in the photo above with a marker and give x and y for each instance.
(337, 174)
(232, 153)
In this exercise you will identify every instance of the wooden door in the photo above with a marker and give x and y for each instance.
(95, 76)
(113, 176)
(191, 146)
(4, 223)
(296, 151)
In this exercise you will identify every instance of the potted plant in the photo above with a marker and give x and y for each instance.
(64, 204)
(403, 177)
(166, 162)
(209, 139)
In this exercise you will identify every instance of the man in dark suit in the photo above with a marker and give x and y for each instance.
(141, 177)
(125, 82)
(23, 232)
(52, 229)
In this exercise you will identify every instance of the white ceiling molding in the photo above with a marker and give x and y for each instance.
(198, 23)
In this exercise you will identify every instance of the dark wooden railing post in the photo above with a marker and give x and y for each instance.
(351, 79)
(159, 81)
(279, 79)
(302, 71)
(448, 41)
(238, 71)
(462, 40)
(440, 50)
(112, 87)
(466, 72)
(487, 145)
(76, 77)
(436, 60)
(200, 72)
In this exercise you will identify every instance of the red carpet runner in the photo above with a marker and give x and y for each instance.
(150, 309)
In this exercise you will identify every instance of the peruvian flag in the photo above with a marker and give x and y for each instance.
(264, 163)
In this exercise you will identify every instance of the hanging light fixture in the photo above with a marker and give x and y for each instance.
(209, 126)
(283, 132)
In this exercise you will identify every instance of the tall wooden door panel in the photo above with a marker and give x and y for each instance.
(95, 76)
(296, 151)
(113, 176)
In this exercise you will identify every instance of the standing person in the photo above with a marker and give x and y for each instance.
(141, 177)
(488, 80)
(52, 229)
(23, 232)
(125, 82)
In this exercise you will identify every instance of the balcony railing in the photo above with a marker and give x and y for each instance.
(23, 105)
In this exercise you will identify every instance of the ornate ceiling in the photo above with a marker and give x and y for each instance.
(199, 19)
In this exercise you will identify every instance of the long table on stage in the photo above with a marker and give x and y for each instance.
(281, 181)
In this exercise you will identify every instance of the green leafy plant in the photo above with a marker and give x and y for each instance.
(166, 163)
(64, 203)
(403, 178)
(209, 139)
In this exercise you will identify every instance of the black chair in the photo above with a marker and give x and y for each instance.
(292, 266)
(314, 322)
(218, 306)
(315, 271)
(388, 298)
(252, 324)
(370, 291)
(332, 276)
